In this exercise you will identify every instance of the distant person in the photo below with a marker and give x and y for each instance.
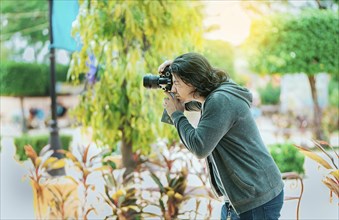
(36, 118)
(61, 110)
(241, 168)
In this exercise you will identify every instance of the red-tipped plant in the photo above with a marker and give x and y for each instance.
(121, 196)
(86, 165)
(39, 172)
(331, 174)
(174, 191)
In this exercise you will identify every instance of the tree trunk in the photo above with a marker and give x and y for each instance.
(317, 132)
(127, 156)
(24, 124)
(320, 5)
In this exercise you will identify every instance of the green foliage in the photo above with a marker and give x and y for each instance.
(287, 157)
(28, 79)
(333, 88)
(29, 18)
(128, 40)
(37, 142)
(220, 54)
(330, 122)
(270, 94)
(287, 43)
(22, 79)
(174, 193)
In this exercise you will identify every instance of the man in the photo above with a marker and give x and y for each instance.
(241, 168)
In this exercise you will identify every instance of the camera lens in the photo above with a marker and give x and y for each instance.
(151, 81)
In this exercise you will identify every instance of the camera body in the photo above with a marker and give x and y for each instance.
(163, 81)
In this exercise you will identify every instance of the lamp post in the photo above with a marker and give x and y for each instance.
(54, 139)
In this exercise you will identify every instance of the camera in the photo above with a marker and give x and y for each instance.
(163, 81)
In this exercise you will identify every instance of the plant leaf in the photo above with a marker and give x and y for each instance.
(49, 161)
(158, 182)
(84, 157)
(319, 145)
(335, 173)
(30, 152)
(58, 164)
(332, 185)
(72, 179)
(314, 157)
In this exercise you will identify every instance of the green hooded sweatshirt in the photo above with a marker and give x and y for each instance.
(228, 132)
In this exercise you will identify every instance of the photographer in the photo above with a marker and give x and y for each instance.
(240, 166)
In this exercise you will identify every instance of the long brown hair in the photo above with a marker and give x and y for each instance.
(194, 69)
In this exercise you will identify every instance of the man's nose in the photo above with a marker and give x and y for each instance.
(173, 89)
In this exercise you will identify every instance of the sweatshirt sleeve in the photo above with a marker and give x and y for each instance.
(217, 118)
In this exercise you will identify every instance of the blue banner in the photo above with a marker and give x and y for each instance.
(64, 12)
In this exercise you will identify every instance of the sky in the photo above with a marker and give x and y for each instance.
(233, 21)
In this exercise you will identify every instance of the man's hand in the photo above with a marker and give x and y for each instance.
(163, 65)
(172, 104)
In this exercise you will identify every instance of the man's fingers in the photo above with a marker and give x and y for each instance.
(170, 95)
(163, 66)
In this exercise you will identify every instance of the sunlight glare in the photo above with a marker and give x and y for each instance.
(233, 22)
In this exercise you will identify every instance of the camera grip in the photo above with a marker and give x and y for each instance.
(166, 118)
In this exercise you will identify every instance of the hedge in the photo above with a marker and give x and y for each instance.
(28, 79)
(37, 142)
(288, 158)
(269, 95)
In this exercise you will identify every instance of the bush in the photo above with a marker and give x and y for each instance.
(288, 158)
(37, 142)
(269, 95)
(333, 88)
(28, 79)
(330, 120)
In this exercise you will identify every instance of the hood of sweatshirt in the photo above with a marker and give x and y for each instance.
(236, 90)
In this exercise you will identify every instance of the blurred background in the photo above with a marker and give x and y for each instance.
(71, 75)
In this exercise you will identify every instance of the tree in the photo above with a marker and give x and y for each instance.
(220, 54)
(29, 20)
(128, 39)
(270, 7)
(301, 43)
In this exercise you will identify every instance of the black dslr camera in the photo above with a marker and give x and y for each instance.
(164, 81)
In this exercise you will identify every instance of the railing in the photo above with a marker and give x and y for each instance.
(294, 176)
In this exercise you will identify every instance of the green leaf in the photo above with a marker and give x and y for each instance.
(158, 182)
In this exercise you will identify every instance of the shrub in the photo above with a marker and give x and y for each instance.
(269, 95)
(288, 158)
(333, 88)
(28, 79)
(330, 121)
(15, 78)
(37, 142)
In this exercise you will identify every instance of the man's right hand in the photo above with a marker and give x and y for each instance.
(164, 65)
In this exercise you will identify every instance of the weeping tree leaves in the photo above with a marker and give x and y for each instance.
(303, 43)
(129, 39)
